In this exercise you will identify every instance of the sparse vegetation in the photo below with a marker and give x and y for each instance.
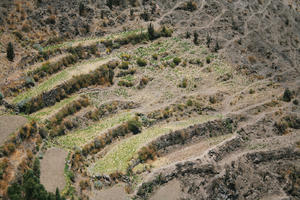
(125, 83)
(183, 83)
(124, 65)
(143, 82)
(141, 62)
(176, 60)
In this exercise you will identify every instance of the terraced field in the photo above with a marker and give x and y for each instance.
(118, 158)
(153, 113)
(81, 137)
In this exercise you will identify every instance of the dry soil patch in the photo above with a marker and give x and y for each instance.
(9, 124)
(52, 169)
(170, 191)
(116, 192)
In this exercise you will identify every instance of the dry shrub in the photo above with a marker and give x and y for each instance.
(115, 176)
(143, 82)
(51, 20)
(147, 153)
(84, 184)
(26, 27)
(252, 59)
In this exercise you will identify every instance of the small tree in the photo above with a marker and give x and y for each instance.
(151, 32)
(109, 3)
(81, 9)
(10, 52)
(217, 47)
(187, 35)
(287, 95)
(57, 194)
(208, 40)
(196, 38)
(36, 167)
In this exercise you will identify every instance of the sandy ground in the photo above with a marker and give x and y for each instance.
(170, 191)
(52, 169)
(9, 124)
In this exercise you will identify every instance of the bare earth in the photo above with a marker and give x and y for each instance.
(52, 169)
(9, 124)
(117, 192)
(170, 191)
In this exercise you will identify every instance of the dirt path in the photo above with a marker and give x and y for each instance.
(52, 169)
(51, 60)
(9, 124)
(188, 152)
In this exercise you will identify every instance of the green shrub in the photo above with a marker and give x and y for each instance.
(124, 65)
(141, 62)
(125, 83)
(287, 95)
(155, 56)
(125, 57)
(177, 60)
(208, 60)
(189, 102)
(1, 96)
(134, 126)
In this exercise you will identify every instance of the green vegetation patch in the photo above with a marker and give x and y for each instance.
(79, 138)
(117, 159)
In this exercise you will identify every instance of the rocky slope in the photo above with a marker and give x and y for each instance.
(216, 100)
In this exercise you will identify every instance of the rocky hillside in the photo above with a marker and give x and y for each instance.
(140, 99)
